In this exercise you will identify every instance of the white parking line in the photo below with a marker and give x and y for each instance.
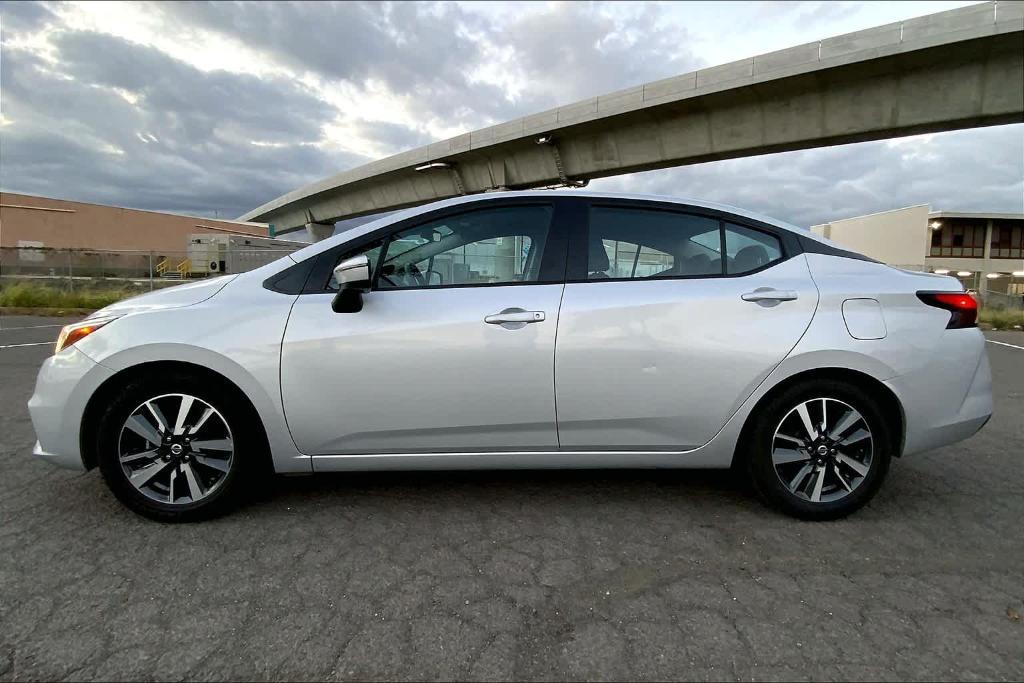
(14, 346)
(29, 327)
(1012, 346)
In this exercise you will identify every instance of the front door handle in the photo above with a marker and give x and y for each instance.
(769, 294)
(514, 318)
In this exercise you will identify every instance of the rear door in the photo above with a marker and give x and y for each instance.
(669, 320)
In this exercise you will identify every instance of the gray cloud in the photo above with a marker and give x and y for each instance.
(183, 97)
(18, 17)
(391, 136)
(572, 52)
(184, 145)
(402, 43)
(970, 170)
(802, 16)
(567, 51)
(422, 49)
(825, 11)
(117, 122)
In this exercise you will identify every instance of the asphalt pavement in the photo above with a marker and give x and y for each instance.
(526, 575)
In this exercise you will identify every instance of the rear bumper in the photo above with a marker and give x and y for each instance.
(946, 404)
(64, 386)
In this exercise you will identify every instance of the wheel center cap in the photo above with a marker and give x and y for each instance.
(822, 450)
(176, 449)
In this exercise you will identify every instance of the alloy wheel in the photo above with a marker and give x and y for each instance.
(179, 460)
(822, 450)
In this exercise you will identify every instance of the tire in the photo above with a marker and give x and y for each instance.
(854, 465)
(178, 480)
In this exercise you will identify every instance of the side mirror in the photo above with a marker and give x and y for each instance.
(353, 278)
(353, 273)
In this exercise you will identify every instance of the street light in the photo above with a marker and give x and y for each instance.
(964, 273)
(942, 271)
(993, 276)
(935, 225)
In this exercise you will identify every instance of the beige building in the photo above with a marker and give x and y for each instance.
(40, 222)
(984, 250)
(55, 238)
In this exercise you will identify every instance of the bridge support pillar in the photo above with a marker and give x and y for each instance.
(317, 231)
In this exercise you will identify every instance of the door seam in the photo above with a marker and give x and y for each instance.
(280, 381)
(554, 369)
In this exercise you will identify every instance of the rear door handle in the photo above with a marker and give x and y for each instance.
(768, 294)
(515, 317)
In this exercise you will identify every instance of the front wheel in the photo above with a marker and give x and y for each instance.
(820, 450)
(174, 447)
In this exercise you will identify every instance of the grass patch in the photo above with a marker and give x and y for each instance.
(1001, 319)
(29, 295)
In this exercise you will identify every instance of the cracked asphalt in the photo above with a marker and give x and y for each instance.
(550, 575)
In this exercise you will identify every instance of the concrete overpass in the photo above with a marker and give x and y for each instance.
(962, 68)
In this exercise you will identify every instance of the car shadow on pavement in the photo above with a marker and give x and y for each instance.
(697, 488)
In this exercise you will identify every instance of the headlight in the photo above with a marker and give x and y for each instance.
(74, 332)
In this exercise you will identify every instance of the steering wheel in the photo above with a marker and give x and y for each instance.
(414, 274)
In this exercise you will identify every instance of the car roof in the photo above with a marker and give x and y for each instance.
(404, 214)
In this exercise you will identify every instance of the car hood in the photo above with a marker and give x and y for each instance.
(177, 296)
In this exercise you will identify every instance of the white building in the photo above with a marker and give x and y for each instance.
(984, 250)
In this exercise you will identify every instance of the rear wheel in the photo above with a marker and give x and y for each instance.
(175, 447)
(819, 450)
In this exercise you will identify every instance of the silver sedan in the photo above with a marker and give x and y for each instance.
(524, 330)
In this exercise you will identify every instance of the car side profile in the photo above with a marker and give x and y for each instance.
(532, 329)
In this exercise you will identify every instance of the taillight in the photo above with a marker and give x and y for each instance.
(962, 307)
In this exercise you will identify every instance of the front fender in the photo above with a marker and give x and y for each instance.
(236, 334)
(266, 402)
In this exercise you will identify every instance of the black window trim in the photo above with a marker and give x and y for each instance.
(569, 229)
(552, 268)
(789, 243)
(812, 246)
(292, 280)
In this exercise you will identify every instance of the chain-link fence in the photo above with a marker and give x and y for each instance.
(97, 269)
(67, 268)
(1013, 301)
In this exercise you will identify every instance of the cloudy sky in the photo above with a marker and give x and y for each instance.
(213, 109)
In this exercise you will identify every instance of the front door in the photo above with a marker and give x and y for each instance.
(452, 351)
(672, 323)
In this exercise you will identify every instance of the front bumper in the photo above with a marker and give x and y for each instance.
(65, 383)
(71, 461)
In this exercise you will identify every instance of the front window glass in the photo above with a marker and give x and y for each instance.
(490, 246)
